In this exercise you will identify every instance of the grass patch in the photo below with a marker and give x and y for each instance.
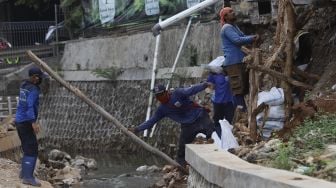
(308, 140)
(314, 135)
(282, 161)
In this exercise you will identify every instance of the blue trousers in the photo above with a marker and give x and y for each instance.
(221, 111)
(189, 131)
(28, 138)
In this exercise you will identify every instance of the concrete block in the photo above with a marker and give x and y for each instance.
(227, 170)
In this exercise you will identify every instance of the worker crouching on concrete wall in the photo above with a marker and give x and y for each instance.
(27, 126)
(177, 106)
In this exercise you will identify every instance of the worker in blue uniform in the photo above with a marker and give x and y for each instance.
(26, 124)
(178, 106)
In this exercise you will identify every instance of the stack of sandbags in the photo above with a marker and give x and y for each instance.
(275, 118)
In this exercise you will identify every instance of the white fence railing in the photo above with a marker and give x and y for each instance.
(8, 105)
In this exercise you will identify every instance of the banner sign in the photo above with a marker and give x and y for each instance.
(116, 12)
(152, 7)
(191, 3)
(106, 10)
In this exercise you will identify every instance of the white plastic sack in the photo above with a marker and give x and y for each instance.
(273, 97)
(215, 65)
(275, 113)
(271, 126)
(228, 140)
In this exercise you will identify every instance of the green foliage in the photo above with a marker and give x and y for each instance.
(74, 15)
(315, 134)
(35, 4)
(170, 5)
(282, 161)
(109, 73)
(67, 3)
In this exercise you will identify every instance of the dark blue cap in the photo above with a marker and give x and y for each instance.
(36, 71)
(159, 89)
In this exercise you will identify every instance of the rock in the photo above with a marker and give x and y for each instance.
(270, 146)
(56, 155)
(79, 162)
(69, 174)
(56, 164)
(91, 164)
(167, 177)
(153, 168)
(124, 175)
(243, 152)
(142, 168)
(160, 183)
(171, 183)
(167, 168)
(251, 158)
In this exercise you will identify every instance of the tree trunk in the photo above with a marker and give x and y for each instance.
(101, 111)
(253, 97)
(280, 22)
(291, 29)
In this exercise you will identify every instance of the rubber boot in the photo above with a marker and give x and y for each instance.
(28, 167)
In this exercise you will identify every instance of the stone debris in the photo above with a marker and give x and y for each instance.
(62, 170)
(146, 168)
(173, 178)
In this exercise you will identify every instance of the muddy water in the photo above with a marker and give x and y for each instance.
(119, 171)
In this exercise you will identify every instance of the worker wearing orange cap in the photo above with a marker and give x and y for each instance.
(232, 41)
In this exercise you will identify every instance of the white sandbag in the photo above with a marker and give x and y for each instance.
(273, 97)
(275, 113)
(271, 126)
(218, 62)
(215, 65)
(228, 140)
(217, 140)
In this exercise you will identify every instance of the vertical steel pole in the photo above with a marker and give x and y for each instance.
(10, 112)
(56, 24)
(179, 51)
(150, 100)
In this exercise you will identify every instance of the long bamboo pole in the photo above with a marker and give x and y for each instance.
(101, 111)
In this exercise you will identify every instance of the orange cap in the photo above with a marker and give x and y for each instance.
(223, 13)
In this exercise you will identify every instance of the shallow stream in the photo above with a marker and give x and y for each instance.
(119, 171)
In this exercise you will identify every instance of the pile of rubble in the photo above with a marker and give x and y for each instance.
(61, 170)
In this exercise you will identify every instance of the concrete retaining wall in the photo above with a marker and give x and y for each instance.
(137, 51)
(214, 168)
(72, 124)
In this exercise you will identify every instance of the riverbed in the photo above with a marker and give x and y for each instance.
(119, 171)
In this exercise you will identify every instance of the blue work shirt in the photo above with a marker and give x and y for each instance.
(27, 109)
(232, 40)
(223, 92)
(179, 108)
